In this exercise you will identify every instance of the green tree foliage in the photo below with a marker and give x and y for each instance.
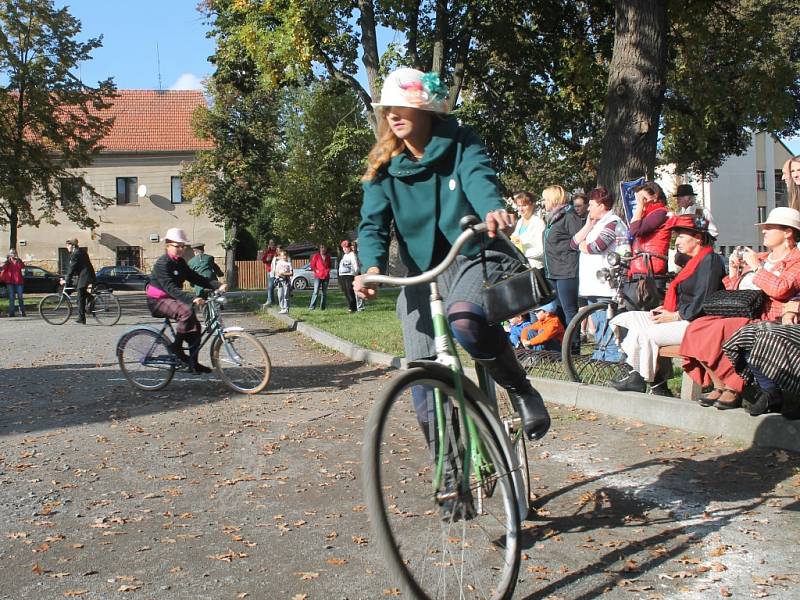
(231, 180)
(318, 196)
(734, 69)
(50, 122)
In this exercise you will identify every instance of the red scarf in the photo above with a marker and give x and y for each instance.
(671, 299)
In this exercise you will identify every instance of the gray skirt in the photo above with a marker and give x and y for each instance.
(462, 281)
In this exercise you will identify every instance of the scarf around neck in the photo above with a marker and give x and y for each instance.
(671, 299)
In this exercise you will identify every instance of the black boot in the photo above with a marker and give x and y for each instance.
(176, 347)
(193, 358)
(767, 401)
(508, 373)
(659, 386)
(632, 383)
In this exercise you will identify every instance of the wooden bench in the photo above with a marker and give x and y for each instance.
(689, 389)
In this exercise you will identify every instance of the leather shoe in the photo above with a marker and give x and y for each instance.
(632, 383)
(767, 401)
(530, 406)
(728, 400)
(661, 389)
(199, 369)
(710, 398)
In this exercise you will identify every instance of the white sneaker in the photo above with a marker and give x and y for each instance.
(284, 311)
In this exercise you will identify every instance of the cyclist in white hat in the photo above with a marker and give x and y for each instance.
(166, 297)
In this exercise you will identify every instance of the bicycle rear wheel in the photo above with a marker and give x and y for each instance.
(590, 352)
(105, 308)
(435, 542)
(56, 309)
(242, 362)
(145, 359)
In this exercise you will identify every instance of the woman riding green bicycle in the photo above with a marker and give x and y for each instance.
(425, 173)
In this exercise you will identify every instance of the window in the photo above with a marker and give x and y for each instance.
(177, 190)
(762, 214)
(70, 188)
(761, 180)
(129, 256)
(126, 190)
(781, 195)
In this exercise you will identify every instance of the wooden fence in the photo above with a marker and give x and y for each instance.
(253, 276)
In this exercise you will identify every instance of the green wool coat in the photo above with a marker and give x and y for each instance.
(453, 178)
(204, 265)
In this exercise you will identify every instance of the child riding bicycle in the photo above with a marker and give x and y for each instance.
(166, 297)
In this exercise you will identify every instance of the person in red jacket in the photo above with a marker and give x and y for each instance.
(321, 266)
(651, 235)
(14, 279)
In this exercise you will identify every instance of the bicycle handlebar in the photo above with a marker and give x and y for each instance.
(430, 275)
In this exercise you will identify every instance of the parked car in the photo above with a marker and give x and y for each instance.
(303, 277)
(37, 281)
(121, 278)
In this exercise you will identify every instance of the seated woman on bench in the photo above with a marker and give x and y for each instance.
(166, 297)
(666, 324)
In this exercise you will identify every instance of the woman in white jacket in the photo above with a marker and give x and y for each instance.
(529, 233)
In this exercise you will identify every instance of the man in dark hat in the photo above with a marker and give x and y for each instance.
(80, 270)
(687, 205)
(204, 265)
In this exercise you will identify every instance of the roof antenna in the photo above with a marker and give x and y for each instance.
(158, 61)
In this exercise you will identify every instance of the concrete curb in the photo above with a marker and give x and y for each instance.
(772, 431)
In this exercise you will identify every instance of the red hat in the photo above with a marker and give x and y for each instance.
(689, 222)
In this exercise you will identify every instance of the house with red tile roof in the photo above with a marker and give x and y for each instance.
(139, 169)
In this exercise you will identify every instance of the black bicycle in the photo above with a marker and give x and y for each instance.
(239, 359)
(101, 303)
(591, 351)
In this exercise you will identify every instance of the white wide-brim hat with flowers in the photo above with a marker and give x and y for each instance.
(176, 234)
(413, 89)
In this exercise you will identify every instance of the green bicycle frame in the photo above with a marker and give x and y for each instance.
(446, 354)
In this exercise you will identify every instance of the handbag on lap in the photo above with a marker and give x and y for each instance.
(734, 303)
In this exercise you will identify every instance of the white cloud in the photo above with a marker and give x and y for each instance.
(187, 81)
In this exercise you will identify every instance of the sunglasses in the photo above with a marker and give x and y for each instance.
(177, 245)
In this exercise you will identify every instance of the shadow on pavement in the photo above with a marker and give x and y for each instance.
(689, 501)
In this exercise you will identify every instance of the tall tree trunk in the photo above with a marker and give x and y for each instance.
(13, 224)
(231, 276)
(636, 82)
(369, 47)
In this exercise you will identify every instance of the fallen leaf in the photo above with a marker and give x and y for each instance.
(336, 561)
(74, 593)
(307, 575)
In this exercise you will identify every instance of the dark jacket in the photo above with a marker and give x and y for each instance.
(169, 275)
(81, 267)
(454, 178)
(705, 280)
(561, 261)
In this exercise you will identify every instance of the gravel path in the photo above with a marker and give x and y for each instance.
(193, 492)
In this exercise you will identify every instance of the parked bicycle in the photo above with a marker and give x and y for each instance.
(591, 350)
(447, 517)
(239, 359)
(101, 303)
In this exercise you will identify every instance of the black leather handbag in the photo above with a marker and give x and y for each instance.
(734, 303)
(519, 291)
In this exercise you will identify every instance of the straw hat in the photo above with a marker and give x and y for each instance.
(784, 216)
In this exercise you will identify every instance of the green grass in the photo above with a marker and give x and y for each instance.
(375, 328)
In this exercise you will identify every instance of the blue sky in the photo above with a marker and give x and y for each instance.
(131, 29)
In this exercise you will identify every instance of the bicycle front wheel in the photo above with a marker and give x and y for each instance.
(145, 359)
(106, 309)
(241, 362)
(421, 503)
(590, 350)
(56, 309)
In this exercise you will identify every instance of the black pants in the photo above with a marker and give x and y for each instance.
(346, 283)
(82, 296)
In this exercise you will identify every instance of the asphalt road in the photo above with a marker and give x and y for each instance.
(193, 492)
